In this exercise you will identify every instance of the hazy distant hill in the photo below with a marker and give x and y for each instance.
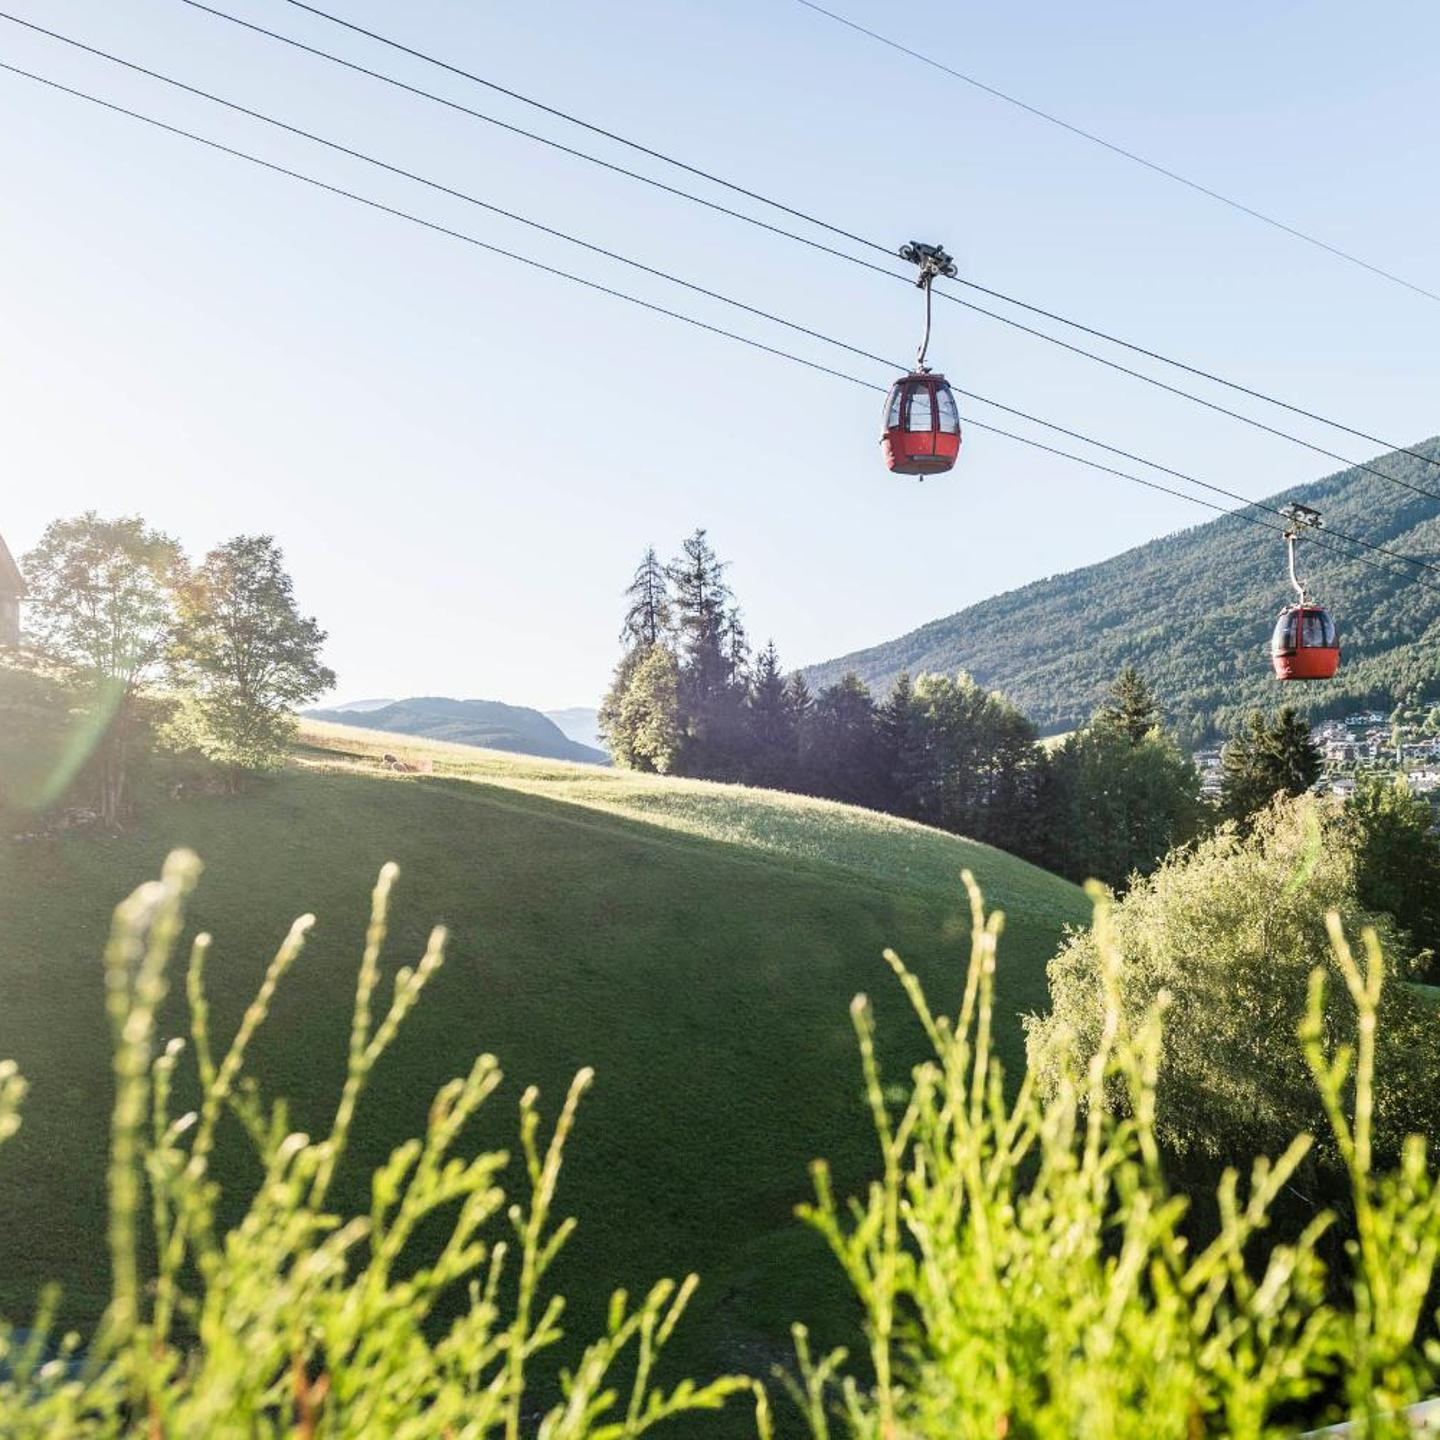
(1194, 611)
(359, 706)
(489, 723)
(579, 722)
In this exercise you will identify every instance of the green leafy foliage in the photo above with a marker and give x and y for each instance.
(244, 656)
(943, 750)
(1114, 806)
(1226, 936)
(101, 604)
(1397, 855)
(1194, 612)
(695, 943)
(298, 1320)
(1023, 1267)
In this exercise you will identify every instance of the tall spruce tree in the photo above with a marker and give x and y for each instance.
(1129, 707)
(712, 658)
(907, 749)
(702, 604)
(841, 756)
(772, 756)
(797, 693)
(1265, 759)
(647, 627)
(648, 613)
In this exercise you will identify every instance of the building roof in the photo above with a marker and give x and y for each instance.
(12, 582)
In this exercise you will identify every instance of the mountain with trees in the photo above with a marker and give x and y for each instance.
(688, 698)
(489, 723)
(1194, 610)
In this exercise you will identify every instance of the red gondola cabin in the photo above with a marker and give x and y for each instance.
(1305, 645)
(922, 425)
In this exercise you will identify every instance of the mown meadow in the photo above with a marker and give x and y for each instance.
(697, 944)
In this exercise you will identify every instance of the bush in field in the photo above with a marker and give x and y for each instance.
(1022, 1266)
(1228, 935)
(298, 1321)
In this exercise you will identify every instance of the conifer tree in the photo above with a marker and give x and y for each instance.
(905, 744)
(1129, 707)
(1265, 759)
(702, 604)
(842, 757)
(648, 615)
(773, 750)
(799, 698)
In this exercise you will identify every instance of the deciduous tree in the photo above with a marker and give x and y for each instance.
(101, 603)
(245, 655)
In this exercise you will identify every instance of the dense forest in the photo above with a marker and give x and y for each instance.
(1193, 612)
(1110, 801)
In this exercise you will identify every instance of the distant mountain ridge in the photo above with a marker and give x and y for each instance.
(580, 723)
(489, 723)
(1194, 611)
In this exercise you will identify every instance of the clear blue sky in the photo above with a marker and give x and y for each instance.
(463, 460)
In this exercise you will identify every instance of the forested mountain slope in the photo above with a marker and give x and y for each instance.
(1194, 611)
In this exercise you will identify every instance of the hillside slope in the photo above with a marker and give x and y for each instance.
(698, 944)
(488, 723)
(1194, 611)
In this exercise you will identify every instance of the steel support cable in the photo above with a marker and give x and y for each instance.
(820, 246)
(1115, 149)
(488, 247)
(840, 231)
(667, 276)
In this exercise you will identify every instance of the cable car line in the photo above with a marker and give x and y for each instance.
(584, 282)
(934, 263)
(436, 185)
(876, 245)
(829, 249)
(1120, 150)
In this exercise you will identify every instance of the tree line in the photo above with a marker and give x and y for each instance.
(1111, 799)
(212, 657)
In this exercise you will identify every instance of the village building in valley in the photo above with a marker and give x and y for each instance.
(12, 592)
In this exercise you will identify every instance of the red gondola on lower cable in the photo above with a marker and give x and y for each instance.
(922, 425)
(1305, 645)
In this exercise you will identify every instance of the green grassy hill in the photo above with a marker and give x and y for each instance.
(1194, 611)
(697, 943)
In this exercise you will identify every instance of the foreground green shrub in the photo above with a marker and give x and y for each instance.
(1229, 933)
(1022, 1266)
(298, 1321)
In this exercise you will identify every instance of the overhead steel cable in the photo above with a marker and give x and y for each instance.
(1387, 565)
(1164, 170)
(469, 198)
(1195, 370)
(820, 246)
(794, 211)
